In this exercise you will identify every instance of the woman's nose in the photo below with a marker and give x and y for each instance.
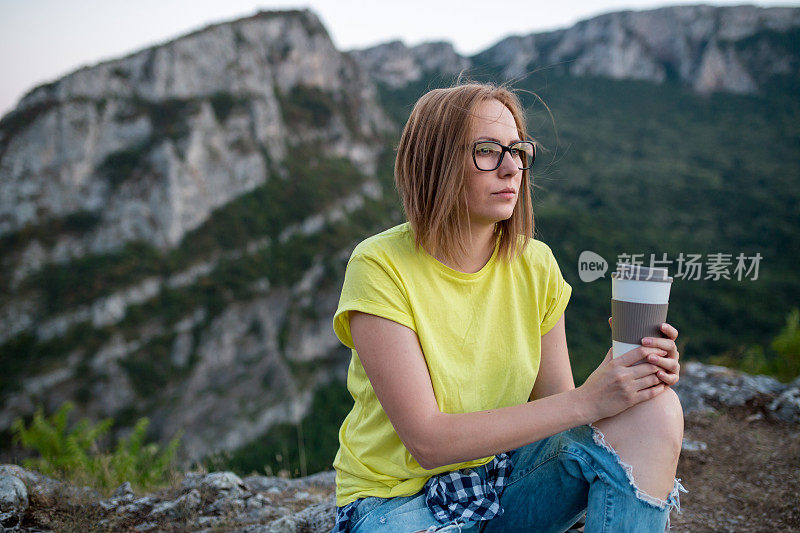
(508, 167)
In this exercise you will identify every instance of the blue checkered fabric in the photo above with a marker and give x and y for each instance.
(458, 496)
(462, 496)
(343, 515)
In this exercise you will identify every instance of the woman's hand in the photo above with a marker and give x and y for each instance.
(620, 383)
(669, 361)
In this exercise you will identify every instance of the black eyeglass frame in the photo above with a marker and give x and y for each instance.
(503, 150)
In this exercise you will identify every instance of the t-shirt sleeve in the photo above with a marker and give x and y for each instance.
(371, 286)
(556, 294)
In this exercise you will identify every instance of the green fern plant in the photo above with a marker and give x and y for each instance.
(76, 455)
(142, 463)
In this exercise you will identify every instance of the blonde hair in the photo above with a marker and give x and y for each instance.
(431, 163)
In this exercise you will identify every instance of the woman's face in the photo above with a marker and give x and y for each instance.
(492, 195)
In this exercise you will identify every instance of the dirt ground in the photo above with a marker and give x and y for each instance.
(748, 479)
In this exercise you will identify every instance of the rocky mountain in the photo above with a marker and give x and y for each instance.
(731, 48)
(157, 176)
(195, 123)
(395, 64)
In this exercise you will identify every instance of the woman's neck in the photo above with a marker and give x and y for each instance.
(479, 250)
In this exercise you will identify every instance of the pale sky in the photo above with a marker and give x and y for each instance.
(43, 40)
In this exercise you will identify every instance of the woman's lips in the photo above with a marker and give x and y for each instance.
(507, 194)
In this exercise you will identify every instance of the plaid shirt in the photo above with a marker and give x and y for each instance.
(458, 496)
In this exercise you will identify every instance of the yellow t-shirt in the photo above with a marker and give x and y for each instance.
(480, 334)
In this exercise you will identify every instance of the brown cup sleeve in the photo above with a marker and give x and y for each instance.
(632, 321)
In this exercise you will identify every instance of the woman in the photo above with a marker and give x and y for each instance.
(466, 416)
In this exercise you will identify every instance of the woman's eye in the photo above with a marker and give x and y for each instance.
(485, 150)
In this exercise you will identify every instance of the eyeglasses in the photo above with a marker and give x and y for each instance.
(488, 155)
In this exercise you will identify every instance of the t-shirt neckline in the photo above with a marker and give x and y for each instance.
(457, 273)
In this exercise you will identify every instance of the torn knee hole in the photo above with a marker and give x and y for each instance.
(600, 440)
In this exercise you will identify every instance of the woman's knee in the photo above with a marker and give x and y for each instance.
(659, 418)
(662, 416)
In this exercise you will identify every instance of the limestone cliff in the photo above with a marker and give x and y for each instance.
(159, 215)
(729, 48)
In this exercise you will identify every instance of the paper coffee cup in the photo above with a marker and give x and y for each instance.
(639, 302)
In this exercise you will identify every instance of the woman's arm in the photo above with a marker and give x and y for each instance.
(555, 373)
(393, 360)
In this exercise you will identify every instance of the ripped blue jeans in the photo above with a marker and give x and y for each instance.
(554, 482)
